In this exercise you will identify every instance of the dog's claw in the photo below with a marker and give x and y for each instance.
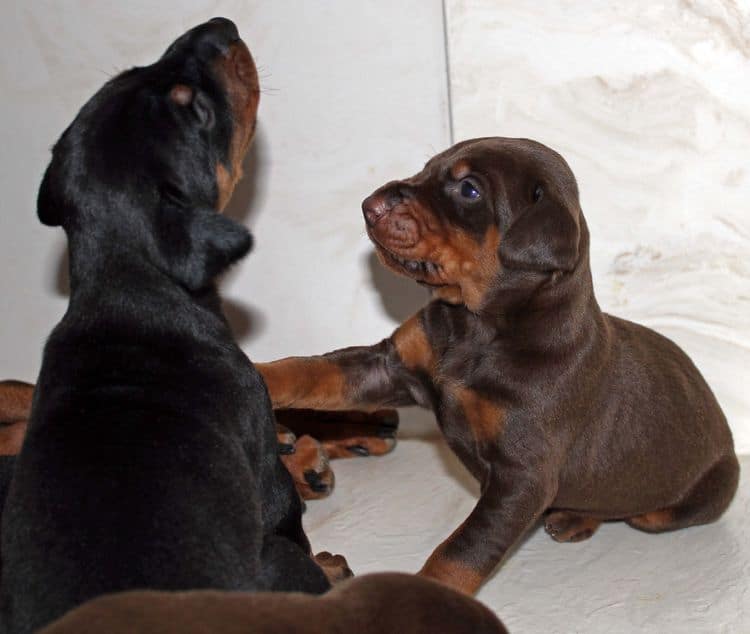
(359, 450)
(316, 483)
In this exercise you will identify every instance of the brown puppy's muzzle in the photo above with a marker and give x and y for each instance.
(414, 240)
(390, 222)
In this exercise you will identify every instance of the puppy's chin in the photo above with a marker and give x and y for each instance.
(424, 273)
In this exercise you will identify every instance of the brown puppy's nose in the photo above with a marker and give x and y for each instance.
(378, 205)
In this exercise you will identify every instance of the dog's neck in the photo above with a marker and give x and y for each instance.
(524, 307)
(105, 280)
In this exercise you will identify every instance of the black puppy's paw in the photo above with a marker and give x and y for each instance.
(310, 468)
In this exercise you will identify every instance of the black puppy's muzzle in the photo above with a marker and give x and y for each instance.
(206, 40)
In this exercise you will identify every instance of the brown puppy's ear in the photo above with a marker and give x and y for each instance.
(544, 237)
(198, 245)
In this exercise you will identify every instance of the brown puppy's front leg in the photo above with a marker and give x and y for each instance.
(361, 378)
(513, 498)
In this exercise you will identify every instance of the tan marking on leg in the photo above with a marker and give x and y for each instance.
(455, 574)
(653, 521)
(304, 383)
(412, 345)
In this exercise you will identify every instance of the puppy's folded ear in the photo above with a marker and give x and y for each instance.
(544, 237)
(197, 245)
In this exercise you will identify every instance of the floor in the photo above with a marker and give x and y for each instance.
(388, 513)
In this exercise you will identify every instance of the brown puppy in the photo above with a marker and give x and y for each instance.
(550, 403)
(336, 435)
(372, 604)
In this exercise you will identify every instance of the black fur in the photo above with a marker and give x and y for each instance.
(150, 459)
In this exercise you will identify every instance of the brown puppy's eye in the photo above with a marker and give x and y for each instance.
(469, 189)
(538, 193)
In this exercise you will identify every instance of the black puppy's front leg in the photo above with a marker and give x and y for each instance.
(514, 495)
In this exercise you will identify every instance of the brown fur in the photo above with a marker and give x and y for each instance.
(373, 604)
(551, 404)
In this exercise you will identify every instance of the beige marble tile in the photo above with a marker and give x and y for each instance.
(650, 104)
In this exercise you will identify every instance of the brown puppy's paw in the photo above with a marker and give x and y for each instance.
(310, 470)
(346, 434)
(569, 527)
(334, 566)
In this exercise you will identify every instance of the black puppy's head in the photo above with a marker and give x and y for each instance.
(153, 157)
(477, 214)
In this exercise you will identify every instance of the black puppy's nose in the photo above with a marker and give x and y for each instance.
(218, 32)
(378, 205)
(206, 39)
(224, 30)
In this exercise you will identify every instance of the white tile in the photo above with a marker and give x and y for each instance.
(650, 104)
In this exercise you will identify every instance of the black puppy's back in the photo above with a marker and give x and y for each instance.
(150, 458)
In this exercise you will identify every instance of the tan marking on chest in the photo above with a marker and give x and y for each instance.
(485, 418)
(413, 347)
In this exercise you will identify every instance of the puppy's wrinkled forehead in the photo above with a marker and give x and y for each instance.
(507, 165)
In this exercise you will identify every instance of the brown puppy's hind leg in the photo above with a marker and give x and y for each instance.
(564, 526)
(705, 502)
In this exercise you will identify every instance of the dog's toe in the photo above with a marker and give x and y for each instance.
(335, 567)
(569, 527)
(286, 439)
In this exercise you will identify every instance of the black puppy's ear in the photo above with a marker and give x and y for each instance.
(544, 237)
(198, 245)
(49, 208)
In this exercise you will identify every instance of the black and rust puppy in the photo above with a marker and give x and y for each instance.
(550, 403)
(308, 439)
(150, 458)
